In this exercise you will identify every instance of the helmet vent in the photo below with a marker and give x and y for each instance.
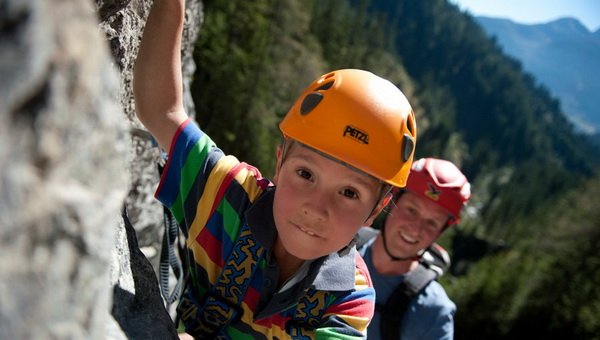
(325, 86)
(310, 102)
(410, 123)
(408, 145)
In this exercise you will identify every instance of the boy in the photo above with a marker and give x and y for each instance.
(431, 201)
(275, 260)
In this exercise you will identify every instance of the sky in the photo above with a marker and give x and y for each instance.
(536, 11)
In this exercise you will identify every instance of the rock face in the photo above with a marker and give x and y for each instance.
(69, 267)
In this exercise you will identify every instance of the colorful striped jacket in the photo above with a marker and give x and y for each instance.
(214, 198)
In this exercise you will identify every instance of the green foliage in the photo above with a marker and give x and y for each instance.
(351, 37)
(236, 32)
(484, 297)
(547, 285)
(251, 63)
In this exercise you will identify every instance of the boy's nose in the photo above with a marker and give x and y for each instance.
(314, 211)
(316, 207)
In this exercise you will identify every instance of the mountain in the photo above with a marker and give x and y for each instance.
(563, 55)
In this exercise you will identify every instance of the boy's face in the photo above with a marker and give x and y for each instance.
(413, 224)
(319, 203)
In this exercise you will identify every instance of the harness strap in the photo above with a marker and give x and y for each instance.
(364, 235)
(417, 279)
(221, 305)
(395, 307)
(169, 259)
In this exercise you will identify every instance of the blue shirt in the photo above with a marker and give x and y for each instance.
(430, 314)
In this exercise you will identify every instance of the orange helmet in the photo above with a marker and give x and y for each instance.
(359, 119)
(441, 182)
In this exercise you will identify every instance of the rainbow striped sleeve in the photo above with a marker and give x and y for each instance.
(191, 159)
(351, 313)
(206, 191)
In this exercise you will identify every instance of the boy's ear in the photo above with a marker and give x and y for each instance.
(382, 204)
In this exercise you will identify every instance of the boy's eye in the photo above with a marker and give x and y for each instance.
(304, 174)
(350, 193)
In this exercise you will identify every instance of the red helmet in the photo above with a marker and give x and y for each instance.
(441, 182)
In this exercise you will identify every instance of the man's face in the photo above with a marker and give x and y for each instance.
(319, 203)
(413, 224)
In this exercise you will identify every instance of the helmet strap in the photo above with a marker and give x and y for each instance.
(395, 258)
(385, 190)
(346, 250)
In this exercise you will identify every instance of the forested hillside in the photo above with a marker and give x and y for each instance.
(534, 178)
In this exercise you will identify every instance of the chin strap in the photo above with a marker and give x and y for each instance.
(394, 258)
(346, 250)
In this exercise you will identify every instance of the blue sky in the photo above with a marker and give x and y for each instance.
(536, 11)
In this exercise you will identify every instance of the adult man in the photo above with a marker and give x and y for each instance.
(435, 192)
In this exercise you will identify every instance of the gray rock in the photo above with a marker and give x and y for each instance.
(62, 181)
(69, 266)
(137, 306)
